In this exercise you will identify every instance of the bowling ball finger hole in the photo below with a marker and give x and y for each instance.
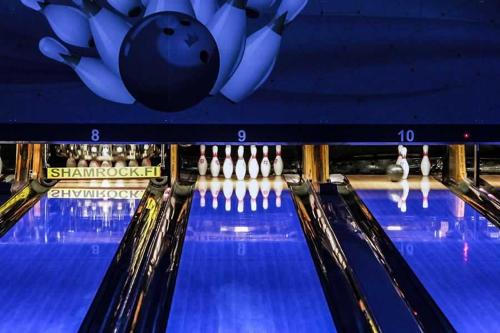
(168, 31)
(185, 23)
(204, 57)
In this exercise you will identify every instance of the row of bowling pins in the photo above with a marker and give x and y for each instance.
(245, 63)
(240, 169)
(425, 188)
(71, 162)
(240, 188)
(425, 165)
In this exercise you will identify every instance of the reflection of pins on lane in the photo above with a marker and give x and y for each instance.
(202, 188)
(425, 165)
(241, 190)
(278, 162)
(265, 189)
(93, 73)
(215, 164)
(278, 189)
(202, 162)
(259, 57)
(68, 23)
(404, 196)
(292, 7)
(109, 31)
(228, 166)
(204, 9)
(253, 164)
(130, 8)
(228, 27)
(425, 187)
(241, 165)
(265, 165)
(227, 189)
(180, 6)
(404, 163)
(214, 190)
(400, 157)
(253, 189)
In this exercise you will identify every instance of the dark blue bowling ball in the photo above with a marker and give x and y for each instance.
(169, 61)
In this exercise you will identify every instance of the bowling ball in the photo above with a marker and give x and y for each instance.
(394, 172)
(169, 61)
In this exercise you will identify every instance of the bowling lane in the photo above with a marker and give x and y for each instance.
(493, 180)
(245, 268)
(453, 250)
(53, 259)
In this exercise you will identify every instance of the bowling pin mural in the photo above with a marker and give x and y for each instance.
(227, 189)
(404, 163)
(228, 166)
(215, 164)
(425, 165)
(259, 56)
(398, 161)
(180, 6)
(241, 190)
(228, 27)
(215, 186)
(68, 23)
(202, 162)
(253, 165)
(131, 8)
(92, 71)
(278, 162)
(265, 165)
(241, 165)
(425, 188)
(292, 8)
(204, 9)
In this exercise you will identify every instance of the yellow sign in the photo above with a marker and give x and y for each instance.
(59, 193)
(103, 173)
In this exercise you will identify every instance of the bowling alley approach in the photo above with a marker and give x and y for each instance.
(249, 166)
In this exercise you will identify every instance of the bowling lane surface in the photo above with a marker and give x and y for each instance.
(493, 180)
(53, 259)
(248, 271)
(453, 250)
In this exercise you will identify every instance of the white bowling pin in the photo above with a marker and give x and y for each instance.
(278, 162)
(82, 163)
(265, 165)
(94, 163)
(202, 188)
(180, 6)
(404, 196)
(109, 31)
(265, 189)
(130, 8)
(257, 63)
(146, 162)
(93, 73)
(253, 190)
(241, 165)
(71, 162)
(398, 161)
(228, 166)
(215, 186)
(227, 189)
(228, 27)
(404, 163)
(133, 163)
(204, 9)
(425, 188)
(253, 164)
(425, 165)
(292, 7)
(260, 5)
(241, 190)
(202, 162)
(68, 23)
(215, 164)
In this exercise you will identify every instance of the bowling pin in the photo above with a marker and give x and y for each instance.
(404, 163)
(241, 165)
(398, 161)
(278, 162)
(228, 27)
(202, 188)
(109, 31)
(253, 165)
(265, 165)
(253, 190)
(404, 196)
(71, 162)
(214, 190)
(259, 56)
(133, 163)
(202, 162)
(241, 190)
(228, 166)
(82, 163)
(425, 165)
(260, 5)
(292, 8)
(180, 6)
(425, 188)
(131, 8)
(146, 162)
(227, 189)
(278, 189)
(265, 190)
(68, 23)
(214, 164)
(93, 73)
(204, 9)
